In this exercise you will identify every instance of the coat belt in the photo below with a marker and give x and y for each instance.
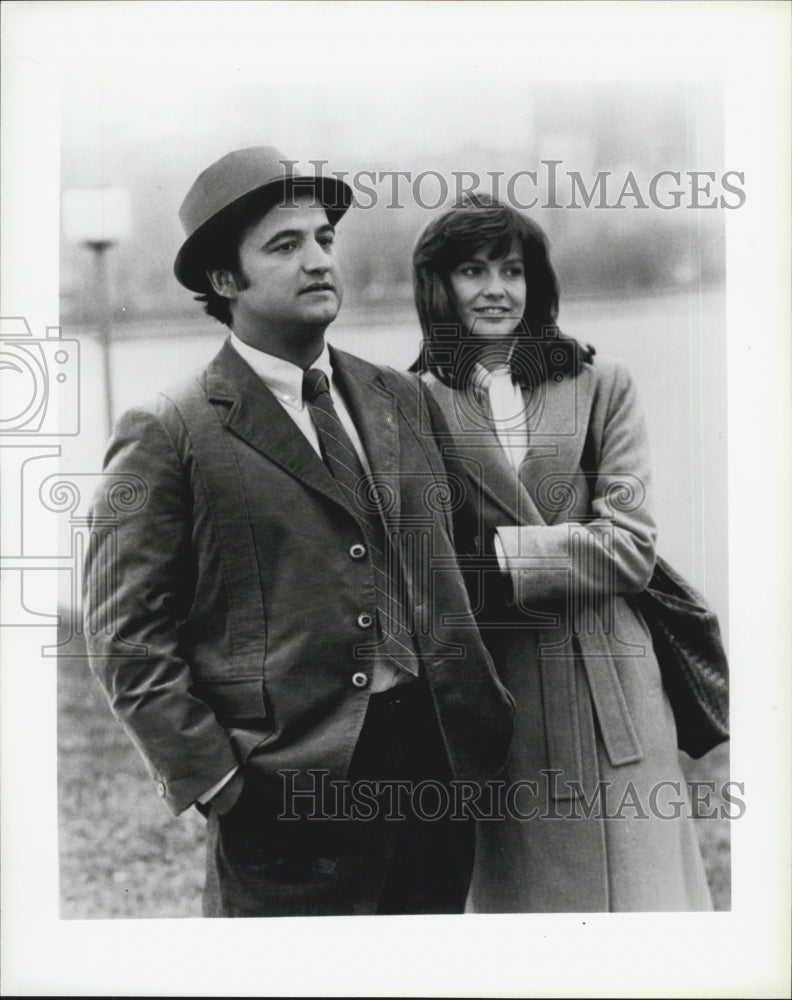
(565, 742)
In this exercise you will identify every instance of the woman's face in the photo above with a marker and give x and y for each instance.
(490, 294)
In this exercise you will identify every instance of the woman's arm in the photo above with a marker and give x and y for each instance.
(614, 552)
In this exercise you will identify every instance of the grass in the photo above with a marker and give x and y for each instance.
(122, 853)
(714, 835)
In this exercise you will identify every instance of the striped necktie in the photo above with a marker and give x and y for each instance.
(395, 624)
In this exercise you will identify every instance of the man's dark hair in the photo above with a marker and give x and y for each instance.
(220, 243)
(477, 222)
(220, 248)
(218, 306)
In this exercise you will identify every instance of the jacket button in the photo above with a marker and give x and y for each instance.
(360, 680)
(161, 788)
(357, 551)
(364, 620)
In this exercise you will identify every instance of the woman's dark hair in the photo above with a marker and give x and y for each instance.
(541, 352)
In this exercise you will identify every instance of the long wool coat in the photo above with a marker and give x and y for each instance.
(593, 814)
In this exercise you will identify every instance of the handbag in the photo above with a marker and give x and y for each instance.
(687, 643)
(688, 646)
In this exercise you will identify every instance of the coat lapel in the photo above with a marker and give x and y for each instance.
(256, 417)
(373, 409)
(558, 421)
(486, 461)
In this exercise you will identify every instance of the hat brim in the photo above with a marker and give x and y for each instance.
(194, 256)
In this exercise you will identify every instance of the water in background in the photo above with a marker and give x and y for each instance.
(674, 346)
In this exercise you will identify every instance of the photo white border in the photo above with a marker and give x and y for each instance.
(741, 953)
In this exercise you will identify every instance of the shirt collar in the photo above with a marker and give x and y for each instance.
(484, 376)
(282, 378)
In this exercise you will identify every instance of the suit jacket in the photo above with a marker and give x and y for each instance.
(578, 657)
(233, 596)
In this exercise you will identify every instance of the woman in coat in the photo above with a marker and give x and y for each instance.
(594, 814)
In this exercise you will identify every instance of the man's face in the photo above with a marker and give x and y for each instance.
(288, 261)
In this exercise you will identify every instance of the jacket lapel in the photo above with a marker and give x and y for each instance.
(373, 409)
(255, 416)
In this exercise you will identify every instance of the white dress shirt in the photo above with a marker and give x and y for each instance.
(284, 380)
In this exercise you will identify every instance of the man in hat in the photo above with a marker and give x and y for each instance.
(290, 644)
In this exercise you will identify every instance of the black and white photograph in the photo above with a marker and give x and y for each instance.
(395, 433)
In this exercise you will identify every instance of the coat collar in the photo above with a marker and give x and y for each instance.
(254, 415)
(558, 415)
(477, 443)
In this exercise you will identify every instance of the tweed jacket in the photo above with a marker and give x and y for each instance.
(236, 589)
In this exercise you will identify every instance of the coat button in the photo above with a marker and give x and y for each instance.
(360, 680)
(161, 788)
(357, 551)
(364, 620)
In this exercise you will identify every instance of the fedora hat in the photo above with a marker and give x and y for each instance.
(241, 183)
